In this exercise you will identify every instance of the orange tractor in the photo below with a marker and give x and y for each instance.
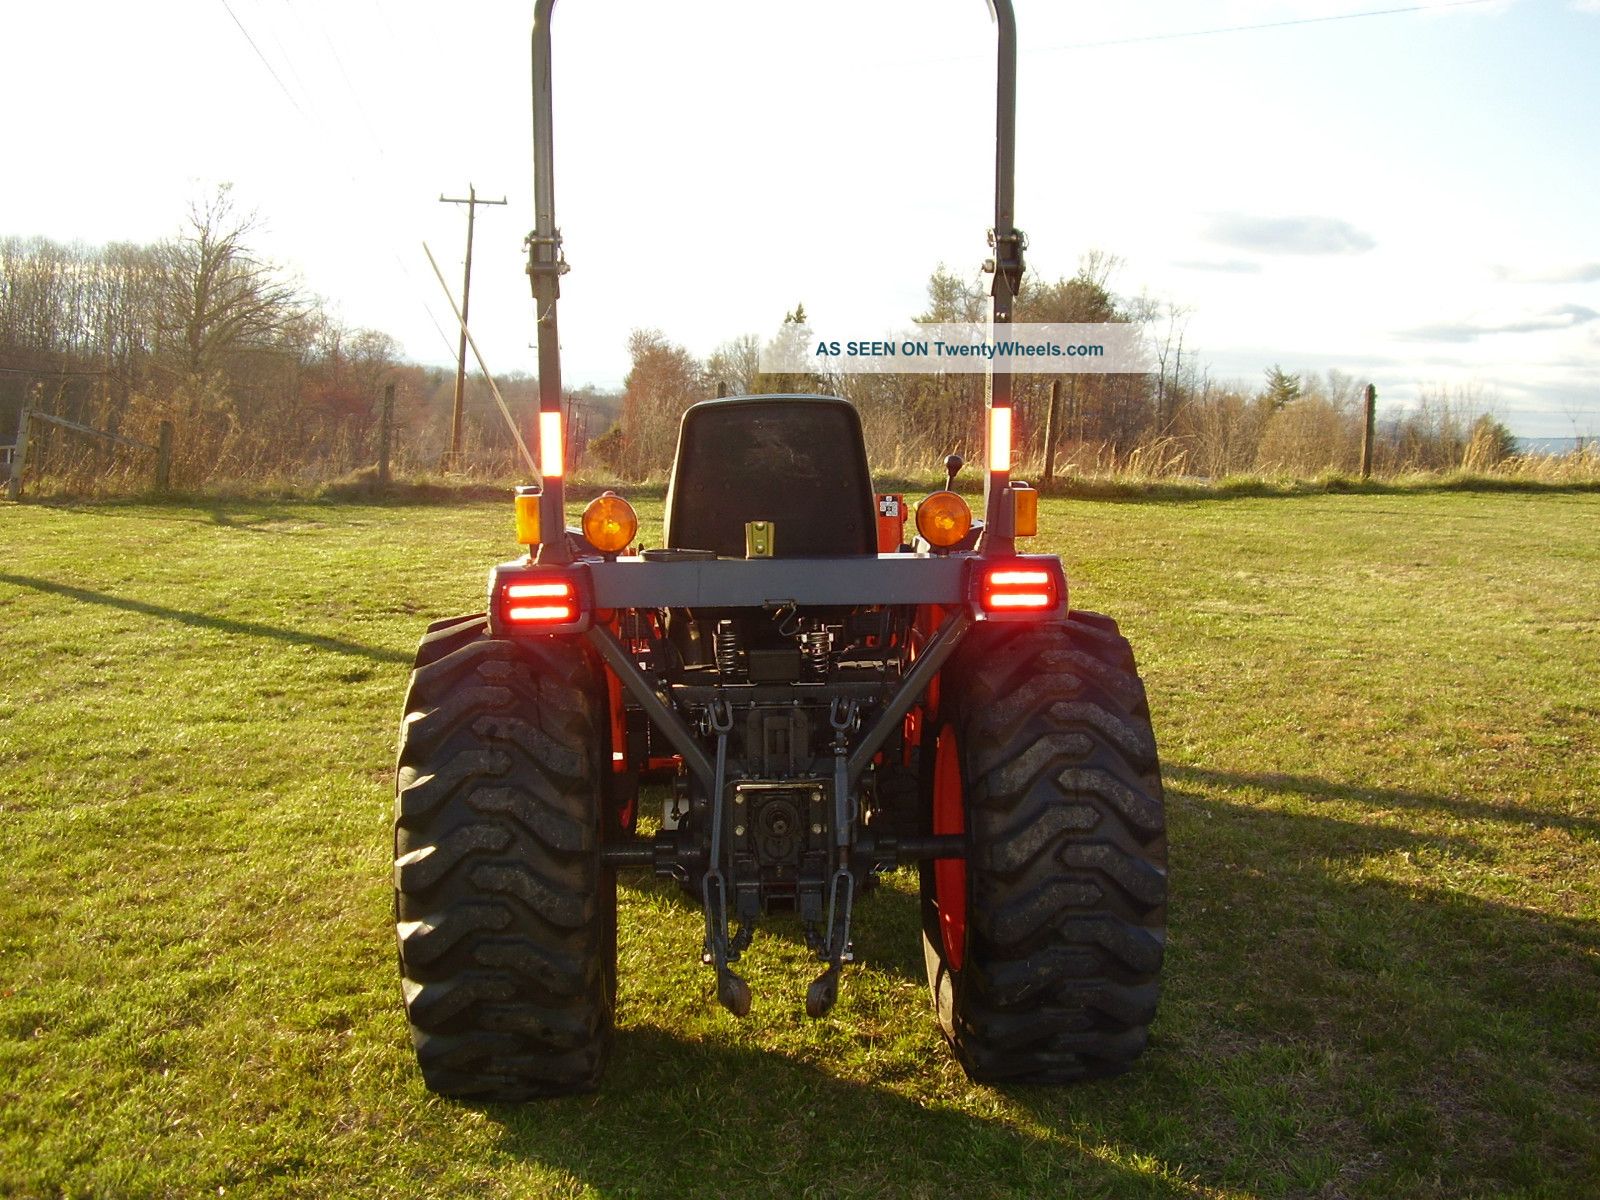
(825, 694)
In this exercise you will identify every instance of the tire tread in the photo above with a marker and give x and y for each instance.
(1067, 866)
(505, 917)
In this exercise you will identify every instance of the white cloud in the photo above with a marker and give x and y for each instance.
(1564, 316)
(1231, 266)
(1588, 272)
(1289, 235)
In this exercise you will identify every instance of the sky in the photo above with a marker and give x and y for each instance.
(1411, 197)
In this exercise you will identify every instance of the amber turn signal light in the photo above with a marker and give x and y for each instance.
(527, 505)
(610, 523)
(1024, 509)
(943, 519)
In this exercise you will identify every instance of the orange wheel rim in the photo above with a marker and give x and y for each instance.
(950, 874)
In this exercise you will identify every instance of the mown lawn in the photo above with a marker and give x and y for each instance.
(1378, 716)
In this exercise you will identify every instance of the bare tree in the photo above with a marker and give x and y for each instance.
(736, 364)
(1167, 387)
(215, 295)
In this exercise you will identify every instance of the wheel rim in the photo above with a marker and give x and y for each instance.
(950, 874)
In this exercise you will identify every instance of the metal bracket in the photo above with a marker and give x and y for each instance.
(1007, 263)
(553, 262)
(732, 991)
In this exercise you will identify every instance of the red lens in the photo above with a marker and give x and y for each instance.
(545, 602)
(1010, 589)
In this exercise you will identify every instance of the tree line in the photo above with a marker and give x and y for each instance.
(1171, 418)
(255, 373)
(259, 379)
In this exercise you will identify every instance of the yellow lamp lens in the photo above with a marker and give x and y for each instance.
(610, 523)
(527, 504)
(1025, 509)
(943, 519)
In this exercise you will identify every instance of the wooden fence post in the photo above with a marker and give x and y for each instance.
(1367, 431)
(385, 437)
(164, 458)
(1050, 430)
(19, 457)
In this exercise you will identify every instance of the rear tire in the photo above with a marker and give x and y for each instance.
(1043, 949)
(505, 914)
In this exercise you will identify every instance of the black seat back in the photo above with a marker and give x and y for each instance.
(797, 461)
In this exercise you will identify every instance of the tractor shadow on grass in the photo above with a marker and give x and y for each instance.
(886, 926)
(216, 624)
(1313, 788)
(1352, 994)
(264, 516)
(1354, 1004)
(679, 1116)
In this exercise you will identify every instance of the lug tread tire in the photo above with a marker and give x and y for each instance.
(504, 914)
(1066, 909)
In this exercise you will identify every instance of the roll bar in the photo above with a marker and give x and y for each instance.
(546, 265)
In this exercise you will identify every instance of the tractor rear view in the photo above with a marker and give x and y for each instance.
(825, 695)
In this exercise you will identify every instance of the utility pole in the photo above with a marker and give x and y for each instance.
(472, 203)
(1367, 431)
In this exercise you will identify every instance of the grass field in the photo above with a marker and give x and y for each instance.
(1378, 718)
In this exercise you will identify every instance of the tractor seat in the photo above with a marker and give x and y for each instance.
(799, 462)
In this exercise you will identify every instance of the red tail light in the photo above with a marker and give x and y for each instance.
(541, 603)
(1017, 588)
(526, 598)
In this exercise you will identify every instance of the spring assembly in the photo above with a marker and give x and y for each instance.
(727, 649)
(816, 645)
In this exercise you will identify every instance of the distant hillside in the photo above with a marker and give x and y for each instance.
(1547, 445)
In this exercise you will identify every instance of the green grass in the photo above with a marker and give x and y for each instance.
(1378, 717)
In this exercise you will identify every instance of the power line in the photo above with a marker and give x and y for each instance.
(355, 96)
(388, 26)
(379, 198)
(276, 78)
(316, 117)
(1194, 33)
(284, 56)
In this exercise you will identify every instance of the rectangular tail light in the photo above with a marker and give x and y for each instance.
(548, 602)
(543, 603)
(1018, 589)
